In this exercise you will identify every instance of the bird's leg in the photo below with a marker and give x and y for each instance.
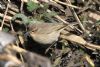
(49, 47)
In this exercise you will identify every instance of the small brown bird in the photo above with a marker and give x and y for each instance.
(45, 33)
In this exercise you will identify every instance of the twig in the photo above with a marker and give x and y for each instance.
(31, 0)
(7, 18)
(21, 7)
(80, 41)
(16, 48)
(4, 16)
(88, 59)
(97, 1)
(12, 28)
(20, 53)
(70, 5)
(71, 26)
(11, 12)
(78, 20)
(58, 2)
(8, 57)
(13, 9)
(85, 7)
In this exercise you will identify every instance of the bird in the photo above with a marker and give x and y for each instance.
(45, 33)
(5, 39)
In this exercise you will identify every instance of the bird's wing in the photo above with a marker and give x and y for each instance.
(46, 27)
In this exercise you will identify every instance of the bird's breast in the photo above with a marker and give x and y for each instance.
(45, 38)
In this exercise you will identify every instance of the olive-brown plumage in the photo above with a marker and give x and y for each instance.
(45, 33)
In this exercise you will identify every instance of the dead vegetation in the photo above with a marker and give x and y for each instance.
(50, 33)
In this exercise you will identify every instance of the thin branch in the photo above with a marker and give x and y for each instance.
(89, 60)
(13, 8)
(31, 0)
(11, 12)
(71, 26)
(21, 7)
(8, 57)
(4, 16)
(78, 20)
(70, 5)
(21, 56)
(80, 41)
